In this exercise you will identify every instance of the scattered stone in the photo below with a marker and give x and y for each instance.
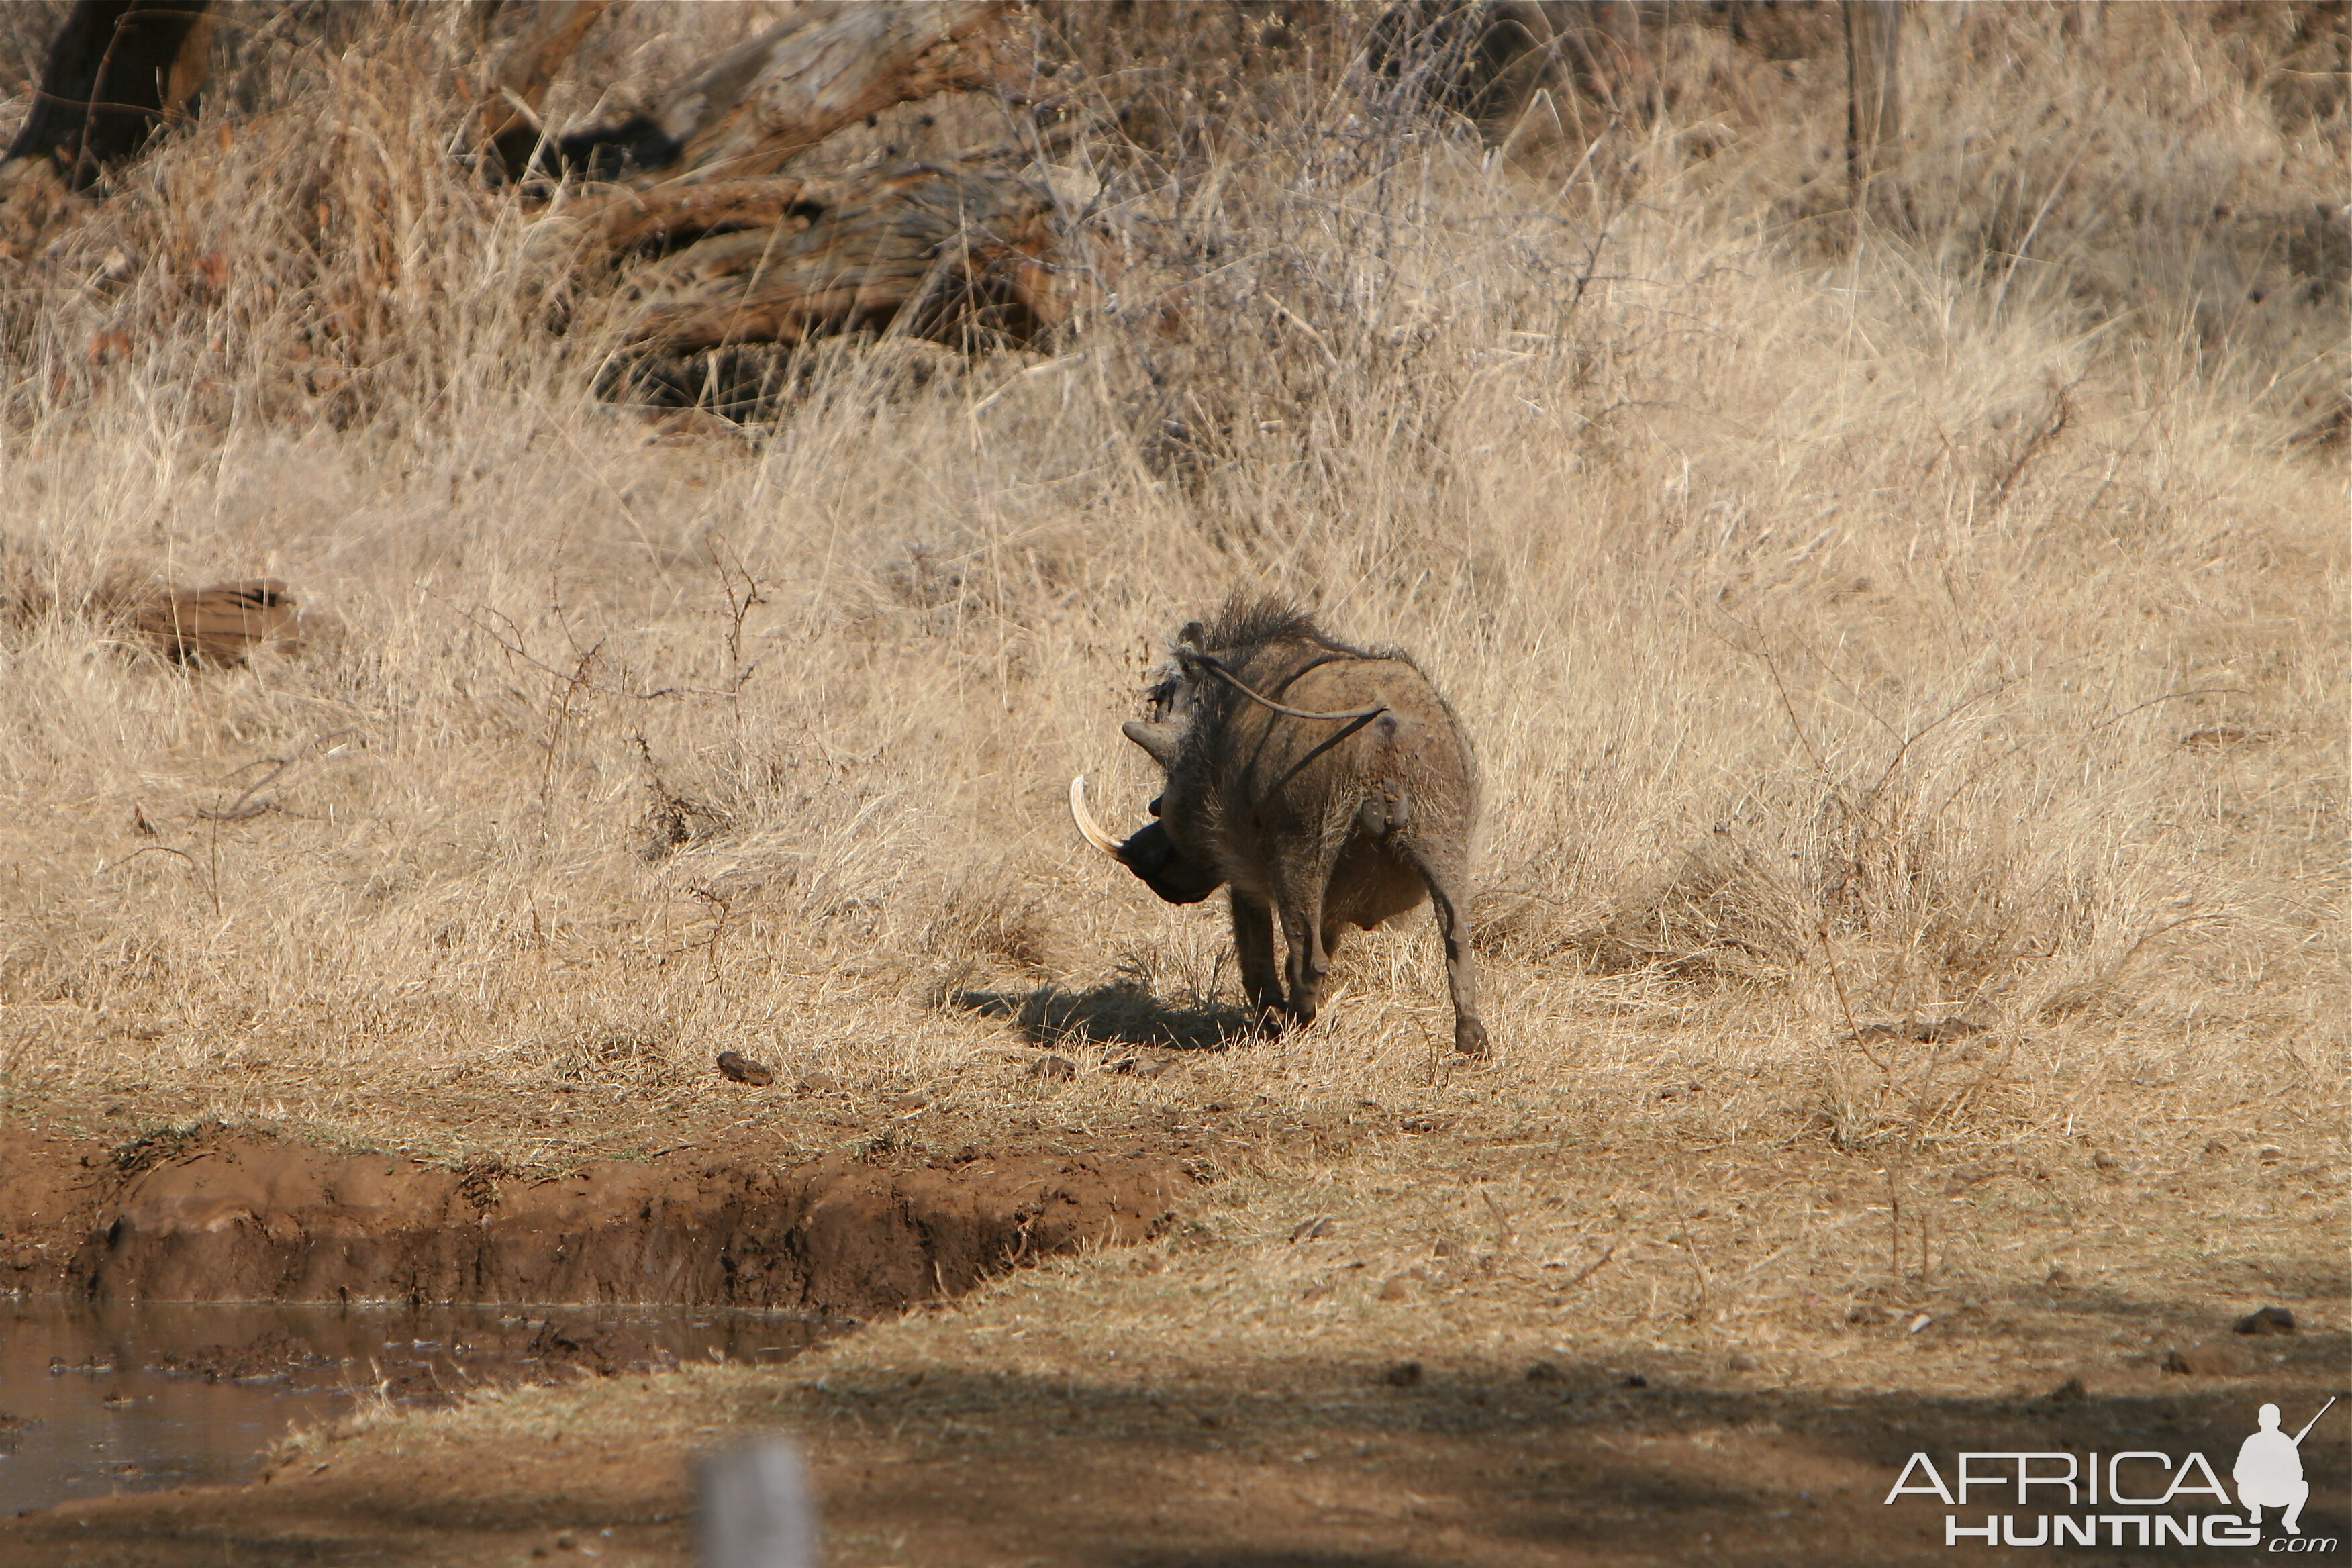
(2059, 1279)
(1740, 1360)
(908, 1104)
(1402, 1374)
(1146, 1067)
(272, 1356)
(736, 1067)
(1919, 1322)
(1054, 1068)
(1396, 1287)
(2266, 1320)
(1634, 1380)
(1443, 1249)
(1424, 1124)
(2205, 1360)
(2070, 1392)
(2270, 1153)
(1862, 1313)
(2215, 1146)
(1307, 1230)
(819, 1082)
(1544, 1372)
(2105, 1160)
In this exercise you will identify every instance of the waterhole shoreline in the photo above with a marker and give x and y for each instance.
(172, 1305)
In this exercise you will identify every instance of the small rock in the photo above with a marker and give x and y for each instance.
(2103, 1161)
(1054, 1068)
(1919, 1322)
(2266, 1320)
(2215, 1146)
(1740, 1360)
(1402, 1374)
(819, 1082)
(1146, 1067)
(1859, 1314)
(1544, 1372)
(1395, 1288)
(908, 1104)
(1634, 1380)
(738, 1068)
(2270, 1153)
(564, 1542)
(2205, 1360)
(2059, 1279)
(1307, 1230)
(2068, 1393)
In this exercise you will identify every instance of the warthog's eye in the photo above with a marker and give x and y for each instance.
(1165, 699)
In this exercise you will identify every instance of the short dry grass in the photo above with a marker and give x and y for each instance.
(1945, 620)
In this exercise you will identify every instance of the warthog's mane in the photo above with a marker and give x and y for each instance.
(1247, 623)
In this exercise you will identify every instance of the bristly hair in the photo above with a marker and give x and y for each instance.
(1247, 622)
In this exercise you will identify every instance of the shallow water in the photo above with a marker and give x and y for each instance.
(97, 1397)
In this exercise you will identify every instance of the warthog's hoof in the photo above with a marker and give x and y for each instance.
(1470, 1037)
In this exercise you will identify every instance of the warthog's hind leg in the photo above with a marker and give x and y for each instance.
(1444, 878)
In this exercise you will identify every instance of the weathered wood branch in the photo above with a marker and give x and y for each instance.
(750, 109)
(507, 126)
(962, 244)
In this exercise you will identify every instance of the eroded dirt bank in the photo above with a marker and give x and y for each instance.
(222, 1216)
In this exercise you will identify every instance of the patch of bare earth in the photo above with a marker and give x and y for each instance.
(1464, 1334)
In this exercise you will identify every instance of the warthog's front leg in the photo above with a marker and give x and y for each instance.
(1253, 943)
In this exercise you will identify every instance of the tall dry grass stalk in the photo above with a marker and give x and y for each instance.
(1944, 619)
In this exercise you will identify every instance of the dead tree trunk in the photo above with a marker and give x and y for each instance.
(1874, 124)
(116, 71)
(506, 130)
(747, 253)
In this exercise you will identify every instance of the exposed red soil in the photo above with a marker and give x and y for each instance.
(222, 1216)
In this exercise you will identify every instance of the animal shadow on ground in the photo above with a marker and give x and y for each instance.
(1121, 1014)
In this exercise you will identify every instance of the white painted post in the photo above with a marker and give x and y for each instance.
(751, 1507)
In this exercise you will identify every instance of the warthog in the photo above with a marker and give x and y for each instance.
(1327, 786)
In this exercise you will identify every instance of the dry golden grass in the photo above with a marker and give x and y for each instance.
(1942, 621)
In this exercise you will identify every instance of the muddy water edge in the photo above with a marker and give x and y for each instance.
(170, 1306)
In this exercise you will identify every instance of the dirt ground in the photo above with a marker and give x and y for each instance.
(1287, 1371)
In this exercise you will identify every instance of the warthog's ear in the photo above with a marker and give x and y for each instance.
(1195, 633)
(1159, 740)
(1167, 870)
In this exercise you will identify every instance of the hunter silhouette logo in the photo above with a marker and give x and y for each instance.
(2268, 1472)
(2137, 1497)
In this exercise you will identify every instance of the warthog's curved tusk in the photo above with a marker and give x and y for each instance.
(1087, 826)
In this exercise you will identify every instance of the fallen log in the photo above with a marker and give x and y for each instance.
(506, 130)
(751, 108)
(965, 246)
